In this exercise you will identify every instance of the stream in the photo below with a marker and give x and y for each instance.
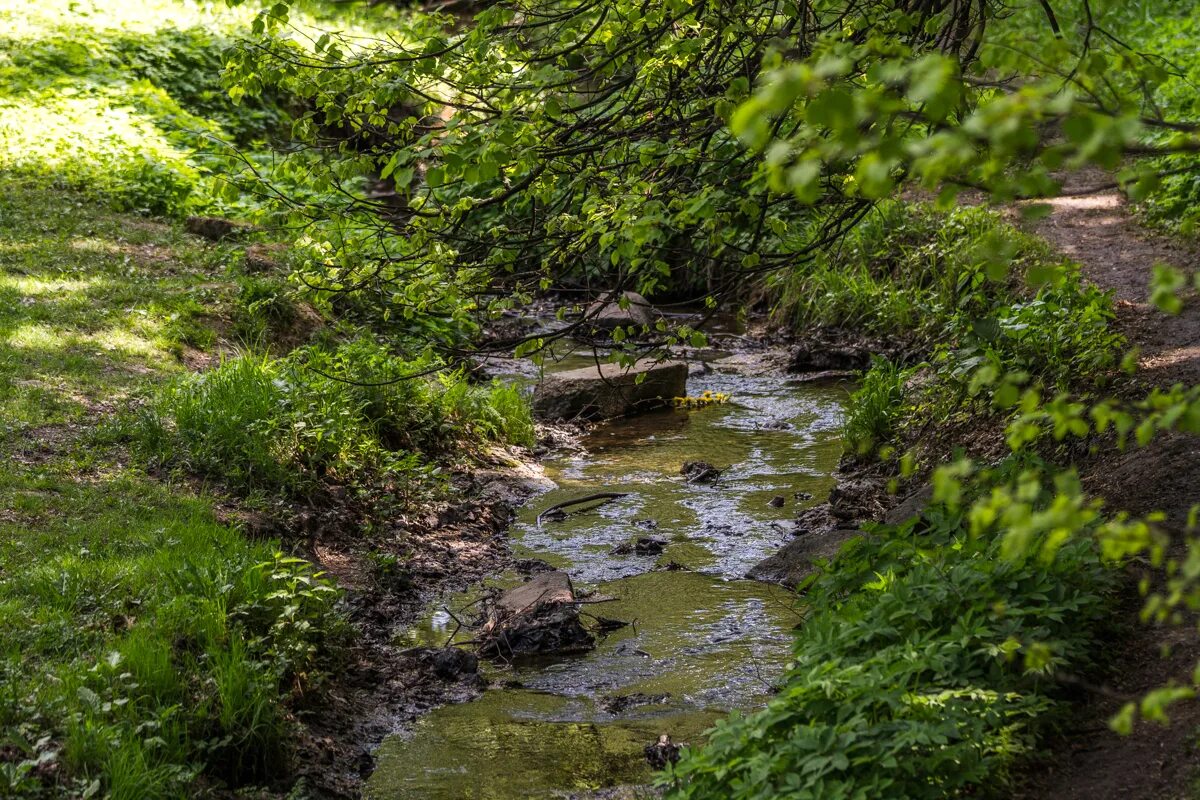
(704, 642)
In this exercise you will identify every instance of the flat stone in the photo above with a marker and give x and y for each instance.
(610, 390)
(548, 588)
(911, 506)
(796, 561)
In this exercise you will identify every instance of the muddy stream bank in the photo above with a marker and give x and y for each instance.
(703, 640)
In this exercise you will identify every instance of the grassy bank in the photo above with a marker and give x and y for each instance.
(152, 649)
(145, 640)
(932, 653)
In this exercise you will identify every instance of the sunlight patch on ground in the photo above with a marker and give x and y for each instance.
(113, 339)
(38, 287)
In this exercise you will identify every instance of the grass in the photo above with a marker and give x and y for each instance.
(94, 305)
(125, 101)
(350, 414)
(146, 643)
(876, 406)
(148, 647)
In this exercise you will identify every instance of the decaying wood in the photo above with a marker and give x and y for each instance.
(605, 496)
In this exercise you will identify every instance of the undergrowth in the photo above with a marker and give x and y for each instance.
(125, 101)
(350, 414)
(145, 644)
(927, 662)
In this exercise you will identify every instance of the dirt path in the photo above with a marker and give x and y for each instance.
(1088, 761)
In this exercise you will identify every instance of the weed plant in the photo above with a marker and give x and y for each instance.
(926, 663)
(145, 644)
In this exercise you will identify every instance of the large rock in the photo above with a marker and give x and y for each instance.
(538, 617)
(606, 314)
(610, 390)
(796, 561)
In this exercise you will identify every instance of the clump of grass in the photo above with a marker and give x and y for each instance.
(353, 414)
(264, 305)
(164, 649)
(876, 406)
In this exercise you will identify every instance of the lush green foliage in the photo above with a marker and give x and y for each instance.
(352, 415)
(554, 139)
(930, 651)
(144, 642)
(876, 405)
(1171, 30)
(449, 169)
(964, 276)
(125, 101)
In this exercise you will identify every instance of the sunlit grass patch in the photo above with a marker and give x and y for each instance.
(83, 318)
(125, 100)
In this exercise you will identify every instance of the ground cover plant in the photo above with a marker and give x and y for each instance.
(148, 643)
(928, 656)
(125, 101)
(326, 415)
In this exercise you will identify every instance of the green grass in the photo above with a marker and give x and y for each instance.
(144, 642)
(876, 406)
(148, 646)
(350, 414)
(910, 269)
(95, 306)
(125, 101)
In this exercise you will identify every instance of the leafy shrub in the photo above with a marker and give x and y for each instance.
(921, 669)
(907, 268)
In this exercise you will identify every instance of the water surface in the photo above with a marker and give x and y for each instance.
(703, 642)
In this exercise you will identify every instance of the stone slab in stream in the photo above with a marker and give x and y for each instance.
(610, 390)
(607, 314)
(797, 560)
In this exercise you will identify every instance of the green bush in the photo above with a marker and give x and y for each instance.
(909, 269)
(923, 668)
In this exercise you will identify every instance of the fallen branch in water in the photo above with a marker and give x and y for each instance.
(606, 496)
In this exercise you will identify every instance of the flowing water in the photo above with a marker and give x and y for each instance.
(704, 641)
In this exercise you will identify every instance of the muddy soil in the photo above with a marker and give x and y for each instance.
(382, 684)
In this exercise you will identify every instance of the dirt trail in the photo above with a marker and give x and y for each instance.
(1088, 761)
